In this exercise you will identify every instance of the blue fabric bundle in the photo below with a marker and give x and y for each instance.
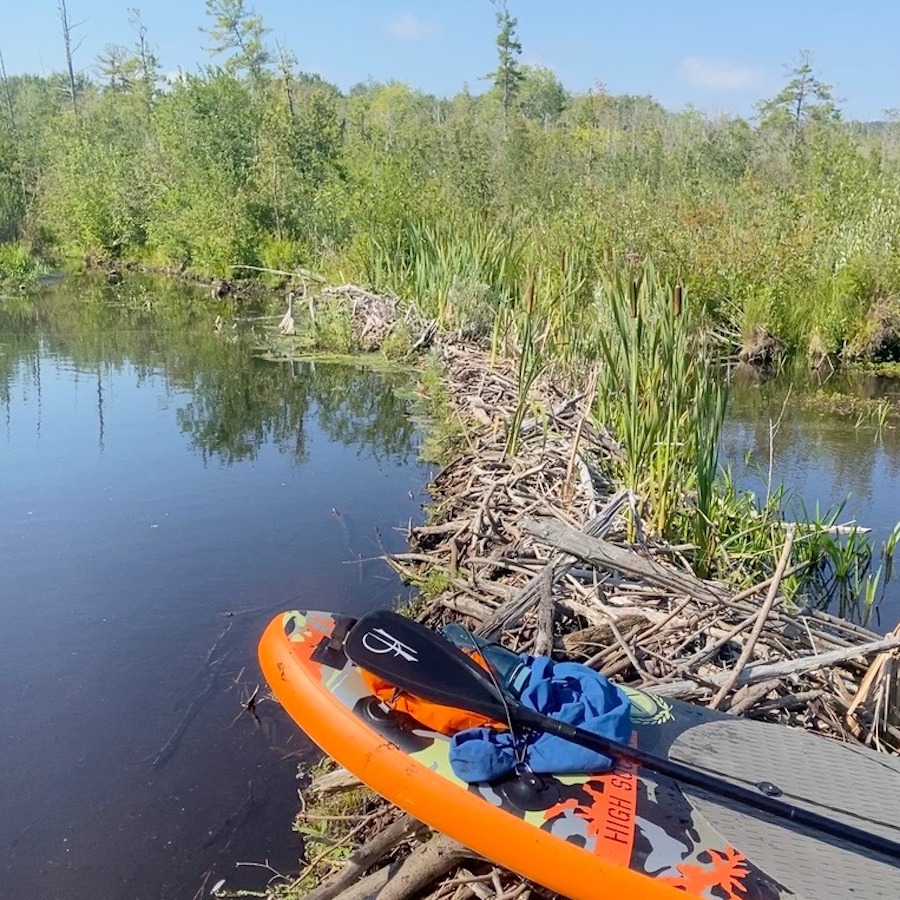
(568, 691)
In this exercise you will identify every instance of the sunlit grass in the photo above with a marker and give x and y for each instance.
(18, 265)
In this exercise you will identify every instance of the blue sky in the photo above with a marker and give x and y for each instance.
(720, 56)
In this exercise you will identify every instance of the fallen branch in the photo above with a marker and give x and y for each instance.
(605, 555)
(764, 611)
(762, 671)
(365, 857)
(425, 865)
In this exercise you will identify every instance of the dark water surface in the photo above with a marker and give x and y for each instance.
(821, 457)
(162, 495)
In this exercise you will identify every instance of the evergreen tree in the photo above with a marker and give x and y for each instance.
(118, 68)
(238, 30)
(508, 74)
(804, 102)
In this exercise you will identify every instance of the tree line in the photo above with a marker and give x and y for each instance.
(786, 224)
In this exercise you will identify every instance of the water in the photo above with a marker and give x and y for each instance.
(819, 455)
(162, 495)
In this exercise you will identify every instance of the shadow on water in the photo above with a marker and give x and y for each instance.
(824, 446)
(162, 494)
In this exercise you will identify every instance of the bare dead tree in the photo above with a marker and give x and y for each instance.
(6, 90)
(67, 30)
(148, 62)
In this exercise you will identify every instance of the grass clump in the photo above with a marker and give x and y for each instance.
(18, 266)
(447, 432)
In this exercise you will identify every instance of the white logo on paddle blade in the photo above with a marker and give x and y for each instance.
(380, 641)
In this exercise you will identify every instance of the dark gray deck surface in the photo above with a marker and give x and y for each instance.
(859, 787)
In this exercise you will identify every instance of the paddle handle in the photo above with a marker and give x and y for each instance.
(717, 786)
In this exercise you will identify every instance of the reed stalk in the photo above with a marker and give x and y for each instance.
(660, 392)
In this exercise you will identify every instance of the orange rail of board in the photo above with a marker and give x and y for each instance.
(433, 799)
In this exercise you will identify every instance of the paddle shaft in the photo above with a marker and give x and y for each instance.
(718, 786)
(416, 659)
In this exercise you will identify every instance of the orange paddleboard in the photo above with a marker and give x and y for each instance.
(628, 834)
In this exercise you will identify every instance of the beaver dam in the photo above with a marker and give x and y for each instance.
(538, 549)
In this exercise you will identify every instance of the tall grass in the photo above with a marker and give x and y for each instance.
(661, 394)
(18, 265)
(461, 274)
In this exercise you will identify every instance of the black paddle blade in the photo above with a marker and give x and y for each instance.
(417, 659)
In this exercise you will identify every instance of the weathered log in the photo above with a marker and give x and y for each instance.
(425, 865)
(365, 857)
(608, 556)
(337, 781)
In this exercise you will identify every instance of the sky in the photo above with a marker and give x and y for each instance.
(720, 56)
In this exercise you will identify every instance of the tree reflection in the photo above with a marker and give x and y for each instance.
(233, 403)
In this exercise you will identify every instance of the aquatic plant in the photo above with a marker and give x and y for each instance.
(660, 394)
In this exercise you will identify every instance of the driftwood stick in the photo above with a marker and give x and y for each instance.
(605, 555)
(431, 861)
(426, 864)
(764, 611)
(626, 649)
(543, 640)
(867, 687)
(790, 700)
(749, 695)
(710, 650)
(365, 857)
(514, 609)
(336, 781)
(762, 671)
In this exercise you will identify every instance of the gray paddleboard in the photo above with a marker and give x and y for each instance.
(851, 785)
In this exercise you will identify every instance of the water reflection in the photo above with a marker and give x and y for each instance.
(162, 494)
(786, 433)
(235, 403)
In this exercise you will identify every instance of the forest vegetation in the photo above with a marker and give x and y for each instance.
(599, 237)
(785, 226)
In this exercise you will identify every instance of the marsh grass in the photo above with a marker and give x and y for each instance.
(875, 414)
(660, 393)
(531, 362)
(18, 265)
(459, 273)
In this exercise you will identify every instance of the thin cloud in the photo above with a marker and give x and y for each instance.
(409, 27)
(719, 74)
